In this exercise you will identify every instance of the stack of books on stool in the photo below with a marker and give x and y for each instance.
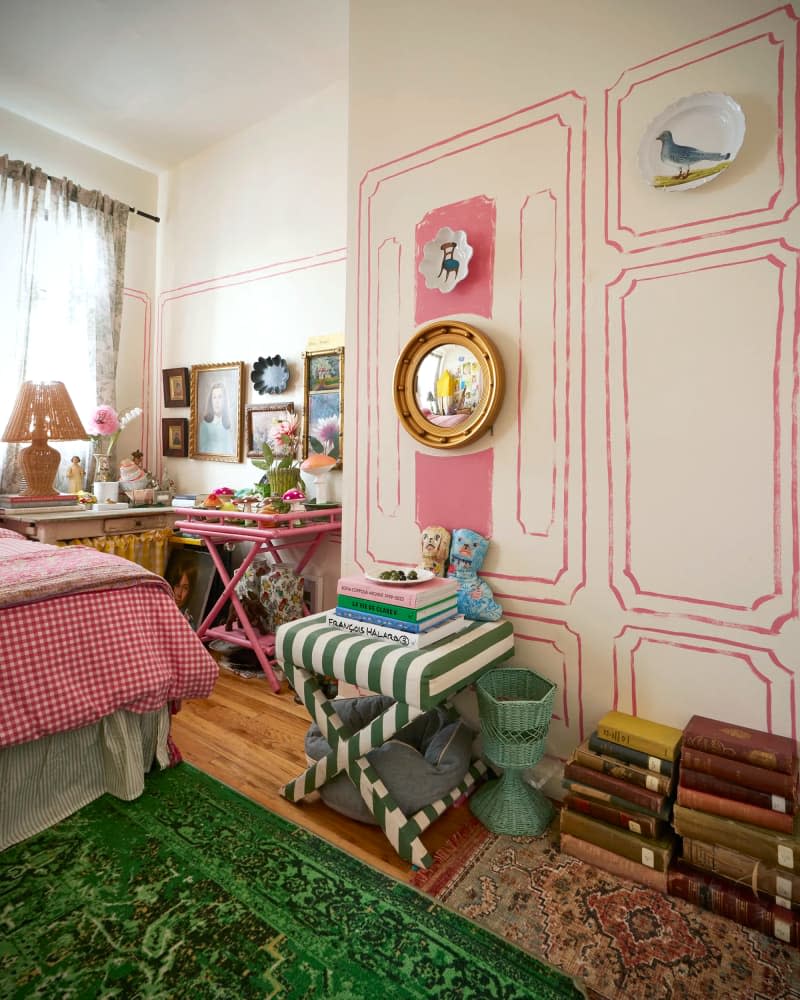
(414, 616)
(620, 793)
(737, 813)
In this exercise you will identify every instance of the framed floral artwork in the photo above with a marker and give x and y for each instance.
(215, 428)
(176, 386)
(324, 402)
(175, 437)
(258, 419)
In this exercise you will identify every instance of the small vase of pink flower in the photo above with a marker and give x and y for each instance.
(105, 426)
(280, 463)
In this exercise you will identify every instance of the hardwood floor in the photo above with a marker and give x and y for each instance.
(252, 740)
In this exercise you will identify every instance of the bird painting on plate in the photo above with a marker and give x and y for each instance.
(685, 157)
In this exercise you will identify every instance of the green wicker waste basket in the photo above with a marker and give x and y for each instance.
(515, 706)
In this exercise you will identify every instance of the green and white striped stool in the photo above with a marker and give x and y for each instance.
(308, 649)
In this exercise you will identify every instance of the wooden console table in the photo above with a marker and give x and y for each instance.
(301, 531)
(60, 526)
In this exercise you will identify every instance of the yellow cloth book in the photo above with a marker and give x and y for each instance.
(641, 734)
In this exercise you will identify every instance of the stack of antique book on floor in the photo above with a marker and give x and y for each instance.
(404, 612)
(620, 793)
(737, 813)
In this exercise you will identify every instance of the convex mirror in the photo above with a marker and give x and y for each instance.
(448, 384)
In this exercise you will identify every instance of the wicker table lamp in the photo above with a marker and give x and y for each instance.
(43, 412)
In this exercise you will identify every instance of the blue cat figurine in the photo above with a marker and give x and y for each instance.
(474, 597)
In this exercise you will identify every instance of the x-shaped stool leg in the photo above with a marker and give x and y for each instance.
(348, 754)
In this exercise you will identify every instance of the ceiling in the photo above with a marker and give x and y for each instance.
(155, 81)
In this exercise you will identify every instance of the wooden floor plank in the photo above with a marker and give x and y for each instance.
(252, 740)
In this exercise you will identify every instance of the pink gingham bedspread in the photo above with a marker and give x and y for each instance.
(68, 661)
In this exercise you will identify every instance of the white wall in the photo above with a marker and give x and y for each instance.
(62, 157)
(643, 502)
(252, 261)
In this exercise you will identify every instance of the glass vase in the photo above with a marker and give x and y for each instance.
(102, 468)
(281, 480)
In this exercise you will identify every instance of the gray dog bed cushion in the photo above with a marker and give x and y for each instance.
(419, 765)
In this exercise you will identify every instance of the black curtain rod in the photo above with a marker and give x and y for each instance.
(136, 211)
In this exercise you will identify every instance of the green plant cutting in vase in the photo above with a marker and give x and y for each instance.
(280, 463)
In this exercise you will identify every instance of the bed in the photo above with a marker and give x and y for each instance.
(95, 656)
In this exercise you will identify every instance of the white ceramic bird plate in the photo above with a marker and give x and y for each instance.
(691, 142)
(445, 259)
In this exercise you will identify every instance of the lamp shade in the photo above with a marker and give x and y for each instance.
(42, 412)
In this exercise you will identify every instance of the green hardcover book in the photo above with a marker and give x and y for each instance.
(641, 734)
(416, 616)
(655, 854)
(771, 846)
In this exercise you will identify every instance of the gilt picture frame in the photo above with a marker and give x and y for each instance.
(258, 419)
(215, 428)
(323, 398)
(174, 437)
(176, 386)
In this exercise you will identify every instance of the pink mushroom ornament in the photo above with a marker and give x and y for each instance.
(318, 466)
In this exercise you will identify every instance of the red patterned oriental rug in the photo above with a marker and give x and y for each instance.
(621, 941)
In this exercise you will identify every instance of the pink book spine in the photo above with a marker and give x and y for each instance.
(613, 863)
(417, 596)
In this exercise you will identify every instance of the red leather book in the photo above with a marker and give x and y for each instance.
(740, 773)
(636, 822)
(719, 895)
(715, 804)
(643, 797)
(752, 746)
(613, 863)
(728, 790)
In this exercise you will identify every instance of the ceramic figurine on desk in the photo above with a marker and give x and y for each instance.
(75, 475)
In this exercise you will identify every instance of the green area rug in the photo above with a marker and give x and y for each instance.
(195, 891)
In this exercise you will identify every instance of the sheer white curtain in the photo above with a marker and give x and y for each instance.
(62, 261)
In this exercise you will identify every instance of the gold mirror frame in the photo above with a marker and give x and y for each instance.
(492, 376)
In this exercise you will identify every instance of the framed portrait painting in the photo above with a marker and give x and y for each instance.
(175, 437)
(190, 572)
(258, 420)
(176, 386)
(324, 403)
(215, 429)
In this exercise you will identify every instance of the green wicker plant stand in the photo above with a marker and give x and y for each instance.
(515, 707)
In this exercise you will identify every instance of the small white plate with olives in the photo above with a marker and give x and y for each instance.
(401, 577)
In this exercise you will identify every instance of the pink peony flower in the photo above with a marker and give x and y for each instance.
(103, 421)
(327, 431)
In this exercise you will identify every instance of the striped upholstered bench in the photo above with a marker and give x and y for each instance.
(418, 680)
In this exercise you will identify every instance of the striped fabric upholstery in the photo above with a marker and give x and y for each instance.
(420, 678)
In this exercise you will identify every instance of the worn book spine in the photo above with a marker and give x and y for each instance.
(628, 819)
(654, 801)
(608, 861)
(660, 783)
(397, 612)
(412, 640)
(727, 789)
(751, 746)
(641, 734)
(720, 895)
(743, 811)
(597, 794)
(782, 886)
(424, 626)
(739, 773)
(418, 596)
(653, 854)
(630, 756)
(772, 846)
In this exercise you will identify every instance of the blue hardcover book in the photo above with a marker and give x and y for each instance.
(656, 764)
(363, 616)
